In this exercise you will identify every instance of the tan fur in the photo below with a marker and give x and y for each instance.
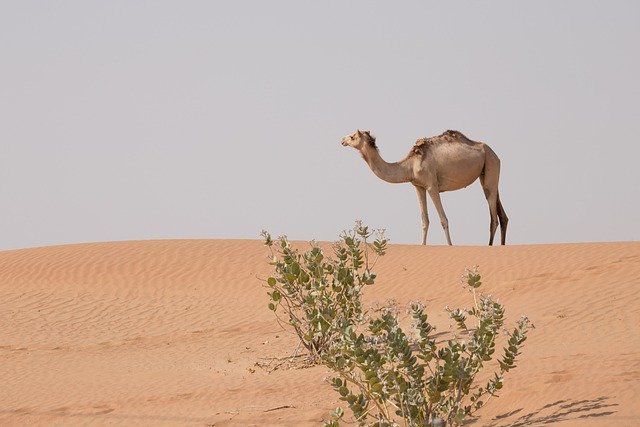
(446, 162)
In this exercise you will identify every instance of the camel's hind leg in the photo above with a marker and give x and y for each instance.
(489, 181)
(492, 199)
(504, 220)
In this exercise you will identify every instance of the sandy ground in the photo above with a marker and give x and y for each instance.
(174, 333)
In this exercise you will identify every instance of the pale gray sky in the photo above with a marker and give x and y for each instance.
(128, 120)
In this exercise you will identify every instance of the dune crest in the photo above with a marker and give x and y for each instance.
(168, 332)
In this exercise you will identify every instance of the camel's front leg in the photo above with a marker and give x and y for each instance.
(435, 196)
(422, 200)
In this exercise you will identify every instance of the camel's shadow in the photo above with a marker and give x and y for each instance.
(560, 410)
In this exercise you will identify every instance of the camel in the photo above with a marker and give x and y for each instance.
(446, 162)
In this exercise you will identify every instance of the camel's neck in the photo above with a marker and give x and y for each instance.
(391, 172)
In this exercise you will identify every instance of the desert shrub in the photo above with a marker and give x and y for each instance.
(318, 295)
(387, 375)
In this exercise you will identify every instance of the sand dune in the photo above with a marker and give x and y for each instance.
(170, 332)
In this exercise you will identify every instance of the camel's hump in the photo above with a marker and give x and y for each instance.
(447, 136)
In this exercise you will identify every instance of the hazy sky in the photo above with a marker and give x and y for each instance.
(126, 120)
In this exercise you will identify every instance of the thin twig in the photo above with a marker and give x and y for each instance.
(279, 407)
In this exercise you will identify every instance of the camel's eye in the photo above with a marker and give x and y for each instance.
(351, 137)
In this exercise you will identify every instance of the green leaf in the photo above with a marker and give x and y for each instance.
(337, 413)
(276, 296)
(295, 269)
(474, 280)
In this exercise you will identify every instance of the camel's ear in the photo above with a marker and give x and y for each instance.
(359, 132)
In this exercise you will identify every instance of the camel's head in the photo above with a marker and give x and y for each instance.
(358, 139)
